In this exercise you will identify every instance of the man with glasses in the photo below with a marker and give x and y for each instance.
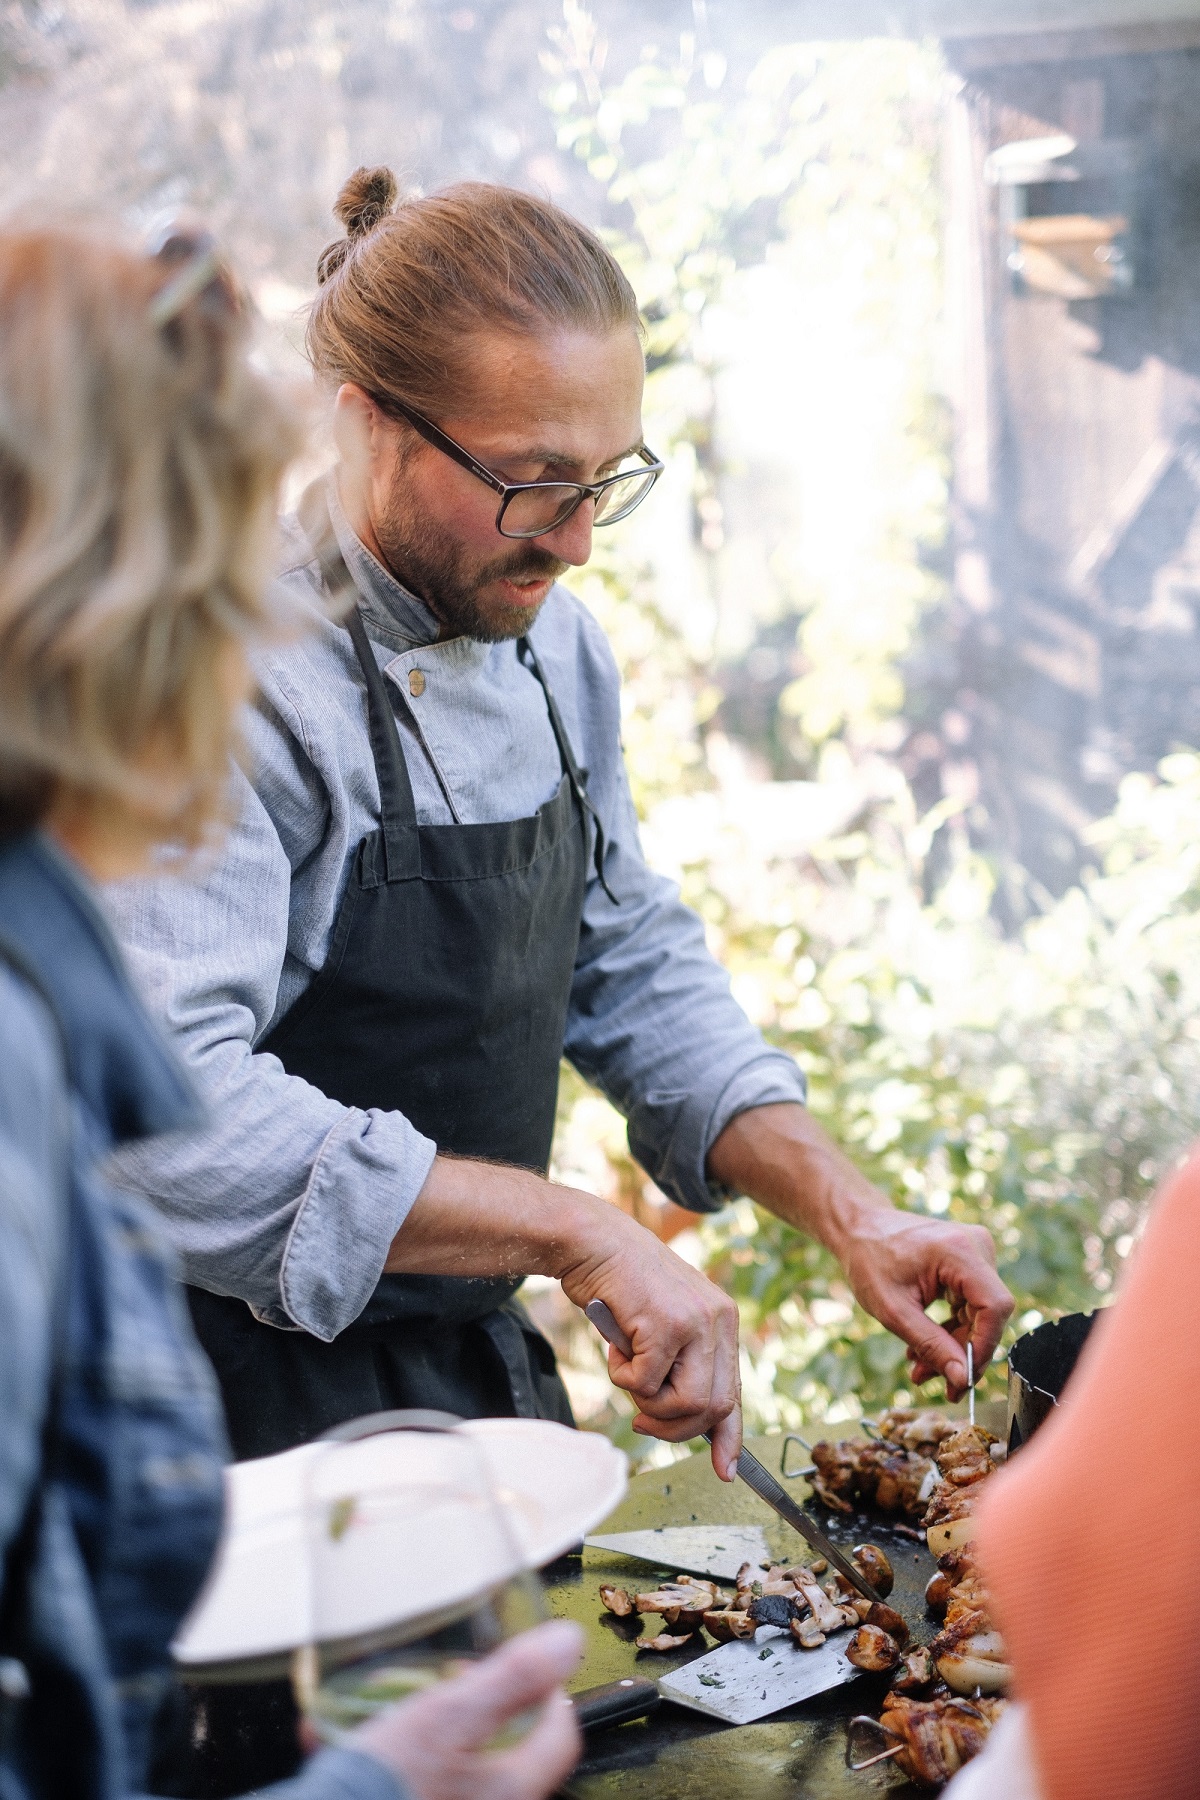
(436, 890)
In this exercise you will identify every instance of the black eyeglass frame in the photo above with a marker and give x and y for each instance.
(508, 490)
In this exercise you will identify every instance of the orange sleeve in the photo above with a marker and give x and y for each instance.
(1099, 1630)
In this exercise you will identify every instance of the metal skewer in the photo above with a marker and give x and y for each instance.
(970, 1382)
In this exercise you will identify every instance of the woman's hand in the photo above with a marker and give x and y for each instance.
(436, 1742)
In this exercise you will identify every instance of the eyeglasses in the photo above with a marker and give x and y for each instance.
(529, 509)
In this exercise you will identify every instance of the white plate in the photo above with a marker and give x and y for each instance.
(555, 1484)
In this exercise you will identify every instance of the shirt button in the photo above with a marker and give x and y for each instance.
(416, 683)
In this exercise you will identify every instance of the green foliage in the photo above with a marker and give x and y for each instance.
(1039, 1085)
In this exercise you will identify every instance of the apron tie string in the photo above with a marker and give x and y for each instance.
(528, 655)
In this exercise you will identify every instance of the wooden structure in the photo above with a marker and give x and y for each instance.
(1075, 653)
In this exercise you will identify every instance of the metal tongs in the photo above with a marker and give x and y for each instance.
(752, 1472)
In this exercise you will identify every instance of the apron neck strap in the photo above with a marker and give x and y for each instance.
(397, 809)
(528, 655)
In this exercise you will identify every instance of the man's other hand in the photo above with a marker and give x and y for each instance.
(897, 1263)
(436, 1744)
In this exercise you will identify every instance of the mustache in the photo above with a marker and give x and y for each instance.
(527, 565)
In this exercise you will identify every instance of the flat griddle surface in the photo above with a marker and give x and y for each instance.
(680, 1755)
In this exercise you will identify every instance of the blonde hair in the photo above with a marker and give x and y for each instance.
(140, 462)
(403, 293)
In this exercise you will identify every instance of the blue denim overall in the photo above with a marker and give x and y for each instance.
(118, 1530)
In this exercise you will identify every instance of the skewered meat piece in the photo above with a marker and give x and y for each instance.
(920, 1432)
(836, 1481)
(966, 1457)
(937, 1736)
(873, 1649)
(916, 1671)
(949, 1521)
(618, 1600)
(852, 1473)
(969, 1652)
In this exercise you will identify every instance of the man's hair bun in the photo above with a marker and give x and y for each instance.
(366, 197)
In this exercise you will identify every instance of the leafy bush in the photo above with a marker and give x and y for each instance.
(1039, 1085)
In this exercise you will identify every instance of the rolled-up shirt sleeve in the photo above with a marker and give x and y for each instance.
(652, 1020)
(290, 1201)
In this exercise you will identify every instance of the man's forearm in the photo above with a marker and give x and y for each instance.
(782, 1158)
(476, 1218)
(479, 1218)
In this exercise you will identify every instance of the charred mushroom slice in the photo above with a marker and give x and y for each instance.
(774, 1609)
(873, 1650)
(617, 1600)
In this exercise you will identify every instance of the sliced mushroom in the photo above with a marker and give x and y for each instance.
(872, 1563)
(676, 1596)
(664, 1641)
(617, 1600)
(807, 1634)
(873, 1650)
(828, 1617)
(937, 1593)
(889, 1620)
(729, 1623)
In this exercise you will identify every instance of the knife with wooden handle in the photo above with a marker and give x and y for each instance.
(752, 1472)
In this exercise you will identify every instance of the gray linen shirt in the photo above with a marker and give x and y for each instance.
(291, 1200)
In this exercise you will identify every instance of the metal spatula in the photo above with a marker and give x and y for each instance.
(716, 1550)
(738, 1683)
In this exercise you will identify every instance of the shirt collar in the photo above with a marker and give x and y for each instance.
(394, 617)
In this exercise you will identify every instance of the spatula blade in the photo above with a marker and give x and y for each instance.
(751, 1678)
(718, 1550)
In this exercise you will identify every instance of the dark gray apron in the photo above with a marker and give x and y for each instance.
(444, 996)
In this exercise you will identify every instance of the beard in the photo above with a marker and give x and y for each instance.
(451, 581)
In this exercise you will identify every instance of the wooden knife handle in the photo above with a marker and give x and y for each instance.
(615, 1703)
